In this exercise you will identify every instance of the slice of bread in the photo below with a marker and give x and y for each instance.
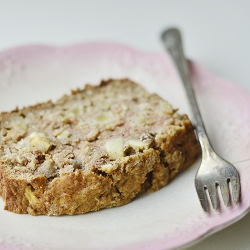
(96, 148)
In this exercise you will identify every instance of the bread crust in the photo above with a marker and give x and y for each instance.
(73, 172)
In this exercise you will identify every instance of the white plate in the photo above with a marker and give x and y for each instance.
(169, 218)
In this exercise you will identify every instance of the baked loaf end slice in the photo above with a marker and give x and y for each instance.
(96, 148)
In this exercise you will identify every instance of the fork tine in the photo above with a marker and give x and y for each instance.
(202, 195)
(235, 184)
(213, 194)
(225, 192)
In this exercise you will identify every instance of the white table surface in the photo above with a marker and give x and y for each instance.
(216, 34)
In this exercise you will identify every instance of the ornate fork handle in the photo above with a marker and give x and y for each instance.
(173, 43)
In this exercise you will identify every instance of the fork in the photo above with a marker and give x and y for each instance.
(214, 172)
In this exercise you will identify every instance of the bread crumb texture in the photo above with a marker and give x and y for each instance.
(96, 148)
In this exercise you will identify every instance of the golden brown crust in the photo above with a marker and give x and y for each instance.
(81, 191)
(61, 164)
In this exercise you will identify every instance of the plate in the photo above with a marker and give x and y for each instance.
(167, 219)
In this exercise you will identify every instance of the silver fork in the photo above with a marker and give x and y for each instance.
(213, 171)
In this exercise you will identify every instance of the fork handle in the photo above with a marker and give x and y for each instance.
(173, 43)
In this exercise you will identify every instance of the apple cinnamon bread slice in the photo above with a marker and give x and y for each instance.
(96, 148)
